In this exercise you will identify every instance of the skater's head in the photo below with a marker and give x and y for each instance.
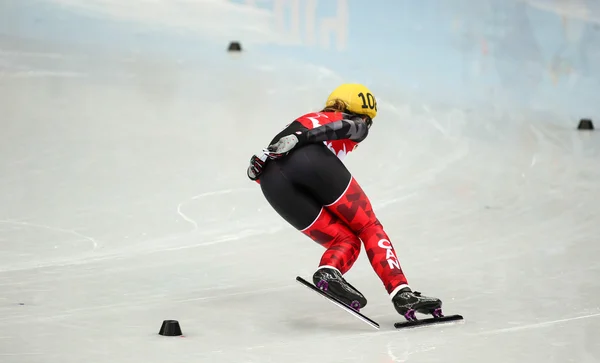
(355, 99)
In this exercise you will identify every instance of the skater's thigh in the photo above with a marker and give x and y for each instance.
(319, 171)
(292, 203)
(328, 230)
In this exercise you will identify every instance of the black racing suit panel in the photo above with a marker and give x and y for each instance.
(355, 130)
(352, 128)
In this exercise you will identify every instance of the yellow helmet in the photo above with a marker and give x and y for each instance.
(357, 97)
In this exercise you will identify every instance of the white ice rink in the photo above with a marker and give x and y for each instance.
(124, 202)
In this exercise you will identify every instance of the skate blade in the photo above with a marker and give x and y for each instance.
(338, 303)
(428, 321)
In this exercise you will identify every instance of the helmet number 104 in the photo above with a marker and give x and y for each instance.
(368, 101)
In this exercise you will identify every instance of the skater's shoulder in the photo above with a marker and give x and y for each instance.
(317, 114)
(324, 116)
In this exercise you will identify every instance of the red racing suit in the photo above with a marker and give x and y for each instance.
(340, 227)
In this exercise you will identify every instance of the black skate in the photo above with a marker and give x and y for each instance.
(339, 303)
(407, 303)
(332, 282)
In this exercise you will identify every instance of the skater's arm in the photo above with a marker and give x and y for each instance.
(354, 129)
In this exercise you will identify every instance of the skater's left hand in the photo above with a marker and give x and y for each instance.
(282, 147)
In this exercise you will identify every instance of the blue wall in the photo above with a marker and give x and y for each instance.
(505, 53)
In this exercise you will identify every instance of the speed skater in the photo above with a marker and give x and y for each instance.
(302, 176)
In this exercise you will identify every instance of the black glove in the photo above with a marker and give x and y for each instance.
(257, 164)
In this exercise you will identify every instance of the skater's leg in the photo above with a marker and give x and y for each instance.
(354, 208)
(303, 212)
(319, 172)
(332, 185)
(296, 204)
(343, 246)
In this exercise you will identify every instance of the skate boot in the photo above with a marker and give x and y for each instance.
(331, 281)
(408, 302)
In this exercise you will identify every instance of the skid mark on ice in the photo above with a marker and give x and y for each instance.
(406, 352)
(235, 236)
(42, 73)
(15, 53)
(442, 163)
(204, 195)
(533, 160)
(340, 339)
(541, 325)
(433, 121)
(94, 243)
(253, 292)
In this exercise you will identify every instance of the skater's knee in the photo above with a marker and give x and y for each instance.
(337, 235)
(327, 230)
(348, 240)
(344, 234)
(369, 227)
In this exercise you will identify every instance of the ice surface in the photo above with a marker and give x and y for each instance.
(124, 202)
